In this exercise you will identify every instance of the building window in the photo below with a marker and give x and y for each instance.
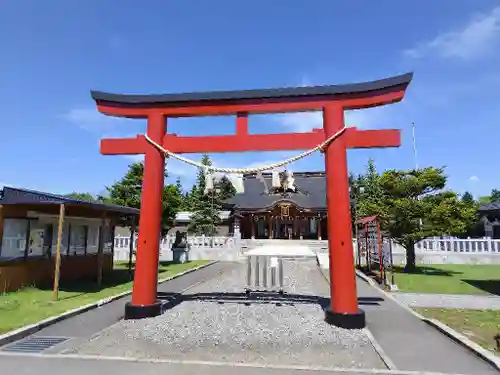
(108, 239)
(36, 238)
(15, 233)
(93, 239)
(77, 241)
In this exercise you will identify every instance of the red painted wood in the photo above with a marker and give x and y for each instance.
(146, 266)
(353, 138)
(241, 124)
(342, 273)
(352, 101)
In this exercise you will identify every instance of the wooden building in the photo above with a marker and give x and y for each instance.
(284, 212)
(29, 223)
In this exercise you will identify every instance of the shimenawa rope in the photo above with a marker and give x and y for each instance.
(247, 170)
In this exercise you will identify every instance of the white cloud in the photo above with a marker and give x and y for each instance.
(90, 119)
(473, 178)
(476, 39)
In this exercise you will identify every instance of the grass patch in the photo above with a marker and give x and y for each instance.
(480, 326)
(450, 279)
(31, 305)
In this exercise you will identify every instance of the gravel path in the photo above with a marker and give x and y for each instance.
(224, 328)
(451, 301)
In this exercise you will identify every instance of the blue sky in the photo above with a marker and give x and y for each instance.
(54, 52)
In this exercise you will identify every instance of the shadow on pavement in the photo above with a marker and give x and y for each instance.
(489, 286)
(170, 300)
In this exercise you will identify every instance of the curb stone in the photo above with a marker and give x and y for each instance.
(376, 346)
(380, 351)
(461, 339)
(443, 328)
(29, 329)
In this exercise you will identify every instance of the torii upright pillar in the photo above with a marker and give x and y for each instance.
(332, 100)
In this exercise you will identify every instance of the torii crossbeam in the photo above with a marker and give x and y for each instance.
(331, 100)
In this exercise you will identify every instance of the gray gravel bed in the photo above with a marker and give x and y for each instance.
(229, 331)
(450, 301)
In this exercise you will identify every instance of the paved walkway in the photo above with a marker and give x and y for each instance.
(451, 301)
(229, 331)
(216, 321)
(79, 366)
(412, 344)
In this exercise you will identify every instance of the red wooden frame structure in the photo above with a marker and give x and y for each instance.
(369, 239)
(331, 100)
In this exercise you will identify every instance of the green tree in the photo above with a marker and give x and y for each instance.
(476, 227)
(188, 199)
(82, 196)
(356, 184)
(127, 192)
(205, 207)
(407, 197)
(226, 189)
(493, 197)
(468, 198)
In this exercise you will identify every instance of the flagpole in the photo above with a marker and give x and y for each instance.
(415, 156)
(414, 144)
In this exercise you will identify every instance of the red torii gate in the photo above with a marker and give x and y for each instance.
(332, 100)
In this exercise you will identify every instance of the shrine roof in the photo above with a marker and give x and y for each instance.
(18, 196)
(311, 192)
(271, 93)
(489, 207)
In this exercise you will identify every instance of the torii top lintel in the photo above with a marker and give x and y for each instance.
(241, 103)
(309, 98)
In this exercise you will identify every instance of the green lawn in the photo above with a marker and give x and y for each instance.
(450, 279)
(31, 305)
(478, 325)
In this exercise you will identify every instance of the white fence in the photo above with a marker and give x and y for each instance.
(429, 251)
(452, 250)
(458, 245)
(202, 247)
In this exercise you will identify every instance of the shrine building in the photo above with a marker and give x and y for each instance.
(268, 210)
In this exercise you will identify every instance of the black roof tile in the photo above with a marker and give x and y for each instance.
(311, 192)
(12, 195)
(278, 93)
(494, 206)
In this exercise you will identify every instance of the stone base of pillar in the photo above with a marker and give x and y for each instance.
(142, 311)
(355, 320)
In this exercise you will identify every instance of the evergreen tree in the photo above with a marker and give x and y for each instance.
(127, 192)
(205, 207)
(402, 198)
(188, 199)
(226, 189)
(468, 198)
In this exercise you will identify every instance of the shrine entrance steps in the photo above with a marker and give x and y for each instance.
(318, 246)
